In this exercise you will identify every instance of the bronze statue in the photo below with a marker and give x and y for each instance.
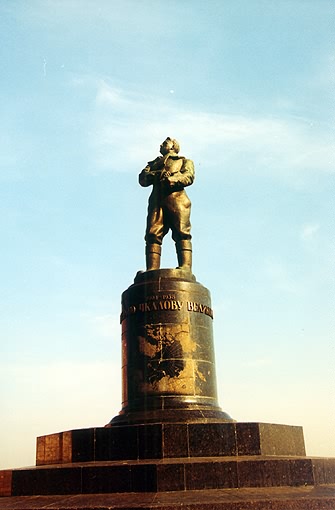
(169, 206)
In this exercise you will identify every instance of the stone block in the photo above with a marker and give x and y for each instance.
(211, 439)
(101, 479)
(269, 439)
(150, 444)
(210, 475)
(83, 445)
(175, 440)
(143, 478)
(324, 472)
(46, 480)
(6, 482)
(116, 443)
(170, 477)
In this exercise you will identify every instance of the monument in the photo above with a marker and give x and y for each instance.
(171, 445)
(169, 206)
(167, 340)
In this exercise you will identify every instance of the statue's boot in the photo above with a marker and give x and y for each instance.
(153, 256)
(184, 254)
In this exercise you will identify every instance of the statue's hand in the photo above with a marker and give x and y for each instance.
(165, 174)
(171, 181)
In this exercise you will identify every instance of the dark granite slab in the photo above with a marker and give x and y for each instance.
(211, 439)
(169, 440)
(183, 474)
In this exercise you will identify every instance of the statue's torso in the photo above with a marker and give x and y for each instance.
(174, 164)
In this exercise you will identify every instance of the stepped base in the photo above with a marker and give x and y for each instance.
(172, 465)
(169, 440)
(168, 475)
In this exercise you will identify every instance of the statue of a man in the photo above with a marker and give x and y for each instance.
(169, 206)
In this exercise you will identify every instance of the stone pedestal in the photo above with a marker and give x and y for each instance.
(168, 365)
(171, 445)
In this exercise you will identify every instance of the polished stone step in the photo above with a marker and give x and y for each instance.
(168, 475)
(169, 440)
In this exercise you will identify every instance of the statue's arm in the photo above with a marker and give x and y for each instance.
(186, 175)
(146, 177)
(150, 172)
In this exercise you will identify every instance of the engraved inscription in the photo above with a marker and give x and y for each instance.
(198, 307)
(163, 297)
(160, 305)
(156, 303)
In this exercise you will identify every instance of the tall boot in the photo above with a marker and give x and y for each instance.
(153, 256)
(184, 254)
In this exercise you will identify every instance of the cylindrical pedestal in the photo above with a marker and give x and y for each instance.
(168, 368)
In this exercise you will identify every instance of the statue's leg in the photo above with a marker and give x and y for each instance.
(179, 216)
(153, 256)
(154, 236)
(184, 254)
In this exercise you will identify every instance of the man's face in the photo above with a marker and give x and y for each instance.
(166, 146)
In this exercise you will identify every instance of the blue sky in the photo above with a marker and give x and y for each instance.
(88, 92)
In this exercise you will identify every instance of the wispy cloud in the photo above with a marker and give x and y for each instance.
(286, 148)
(309, 231)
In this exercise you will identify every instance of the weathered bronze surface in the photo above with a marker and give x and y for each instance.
(167, 350)
(169, 206)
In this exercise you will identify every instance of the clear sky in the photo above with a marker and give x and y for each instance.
(89, 89)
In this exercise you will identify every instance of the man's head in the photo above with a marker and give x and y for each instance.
(169, 145)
